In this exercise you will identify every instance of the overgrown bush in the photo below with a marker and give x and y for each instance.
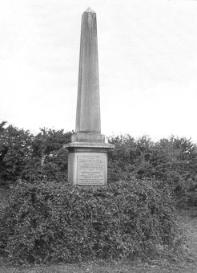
(23, 155)
(15, 151)
(49, 157)
(56, 222)
(172, 161)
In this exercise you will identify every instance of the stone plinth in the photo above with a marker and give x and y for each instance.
(87, 163)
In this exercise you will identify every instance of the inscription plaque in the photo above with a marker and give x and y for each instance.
(91, 169)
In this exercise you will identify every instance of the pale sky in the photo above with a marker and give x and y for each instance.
(147, 63)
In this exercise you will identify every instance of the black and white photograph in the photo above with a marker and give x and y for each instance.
(98, 136)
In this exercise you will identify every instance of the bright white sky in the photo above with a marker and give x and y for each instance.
(147, 61)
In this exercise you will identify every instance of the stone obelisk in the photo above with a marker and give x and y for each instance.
(87, 158)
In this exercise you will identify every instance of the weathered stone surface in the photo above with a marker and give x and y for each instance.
(88, 101)
(88, 137)
(87, 168)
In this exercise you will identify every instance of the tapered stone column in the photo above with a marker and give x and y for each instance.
(88, 103)
(87, 159)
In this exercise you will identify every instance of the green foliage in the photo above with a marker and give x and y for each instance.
(49, 220)
(29, 157)
(53, 222)
(49, 157)
(43, 156)
(172, 161)
(15, 151)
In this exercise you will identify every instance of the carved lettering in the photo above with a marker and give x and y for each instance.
(91, 169)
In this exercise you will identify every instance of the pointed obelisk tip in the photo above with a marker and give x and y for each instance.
(89, 10)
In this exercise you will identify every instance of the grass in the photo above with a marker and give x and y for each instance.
(186, 265)
(154, 267)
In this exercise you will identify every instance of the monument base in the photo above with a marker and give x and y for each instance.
(87, 163)
(88, 137)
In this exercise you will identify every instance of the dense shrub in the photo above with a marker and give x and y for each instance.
(29, 157)
(49, 220)
(49, 157)
(15, 151)
(56, 222)
(43, 156)
(172, 161)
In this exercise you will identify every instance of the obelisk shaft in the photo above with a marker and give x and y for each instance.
(88, 101)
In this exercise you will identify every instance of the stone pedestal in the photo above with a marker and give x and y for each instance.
(87, 163)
